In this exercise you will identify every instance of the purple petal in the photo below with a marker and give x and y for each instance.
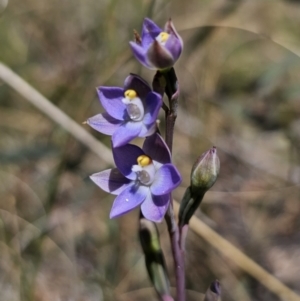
(147, 130)
(167, 178)
(156, 148)
(110, 180)
(125, 157)
(152, 106)
(170, 28)
(140, 54)
(149, 32)
(128, 199)
(126, 132)
(174, 46)
(138, 84)
(104, 123)
(111, 100)
(155, 207)
(159, 56)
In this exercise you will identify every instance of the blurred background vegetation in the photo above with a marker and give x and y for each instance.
(239, 77)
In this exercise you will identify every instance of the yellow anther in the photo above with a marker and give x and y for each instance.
(144, 160)
(130, 94)
(163, 36)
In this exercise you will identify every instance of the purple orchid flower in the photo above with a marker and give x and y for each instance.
(130, 111)
(157, 49)
(143, 177)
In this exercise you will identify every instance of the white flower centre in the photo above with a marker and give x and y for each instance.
(134, 112)
(144, 177)
(162, 38)
(134, 105)
(145, 170)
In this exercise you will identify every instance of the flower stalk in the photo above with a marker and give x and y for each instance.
(145, 177)
(166, 82)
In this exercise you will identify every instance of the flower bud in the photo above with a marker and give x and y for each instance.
(213, 293)
(203, 176)
(154, 258)
(156, 48)
(205, 171)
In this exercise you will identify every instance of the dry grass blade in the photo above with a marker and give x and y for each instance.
(54, 113)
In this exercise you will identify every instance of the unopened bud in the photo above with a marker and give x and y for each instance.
(203, 176)
(214, 292)
(154, 258)
(205, 171)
